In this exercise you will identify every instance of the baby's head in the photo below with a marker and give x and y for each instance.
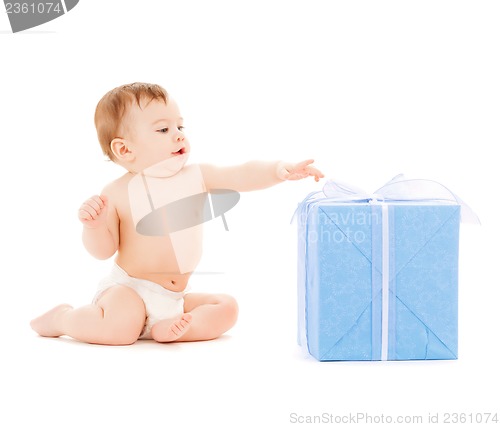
(138, 126)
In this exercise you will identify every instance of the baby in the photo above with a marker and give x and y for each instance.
(145, 297)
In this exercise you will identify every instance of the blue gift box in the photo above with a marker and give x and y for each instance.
(378, 278)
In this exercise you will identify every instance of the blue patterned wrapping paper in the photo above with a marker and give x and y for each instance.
(341, 267)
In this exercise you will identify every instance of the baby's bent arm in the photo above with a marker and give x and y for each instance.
(102, 238)
(253, 175)
(99, 242)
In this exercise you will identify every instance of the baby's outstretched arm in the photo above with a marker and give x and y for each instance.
(98, 222)
(256, 175)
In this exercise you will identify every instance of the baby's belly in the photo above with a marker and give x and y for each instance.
(171, 281)
(162, 260)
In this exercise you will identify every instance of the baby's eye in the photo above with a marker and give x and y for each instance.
(164, 130)
(181, 128)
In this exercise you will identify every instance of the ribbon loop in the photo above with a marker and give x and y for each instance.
(400, 189)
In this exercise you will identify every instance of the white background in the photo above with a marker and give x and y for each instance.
(367, 89)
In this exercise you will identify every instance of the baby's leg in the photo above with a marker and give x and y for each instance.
(211, 316)
(116, 319)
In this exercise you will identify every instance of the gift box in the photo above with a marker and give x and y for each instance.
(378, 273)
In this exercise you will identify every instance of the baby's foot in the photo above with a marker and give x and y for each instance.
(48, 324)
(165, 331)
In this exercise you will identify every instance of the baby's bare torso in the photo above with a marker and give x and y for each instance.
(160, 259)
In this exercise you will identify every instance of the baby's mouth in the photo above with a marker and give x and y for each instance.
(179, 152)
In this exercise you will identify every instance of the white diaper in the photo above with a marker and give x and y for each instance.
(160, 303)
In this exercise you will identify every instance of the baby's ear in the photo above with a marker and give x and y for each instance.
(120, 149)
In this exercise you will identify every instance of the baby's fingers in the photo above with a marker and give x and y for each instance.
(83, 215)
(97, 202)
(303, 165)
(92, 208)
(87, 212)
(316, 173)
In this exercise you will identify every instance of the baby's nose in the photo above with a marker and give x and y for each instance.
(180, 136)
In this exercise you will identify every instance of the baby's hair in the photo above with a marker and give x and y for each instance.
(112, 107)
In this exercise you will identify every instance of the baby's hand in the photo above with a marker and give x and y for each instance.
(93, 212)
(292, 172)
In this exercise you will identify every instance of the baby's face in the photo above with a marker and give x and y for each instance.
(155, 132)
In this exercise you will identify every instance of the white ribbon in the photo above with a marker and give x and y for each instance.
(385, 283)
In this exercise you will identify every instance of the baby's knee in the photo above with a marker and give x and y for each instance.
(123, 336)
(123, 315)
(229, 307)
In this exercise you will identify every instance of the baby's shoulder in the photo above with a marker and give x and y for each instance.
(117, 189)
